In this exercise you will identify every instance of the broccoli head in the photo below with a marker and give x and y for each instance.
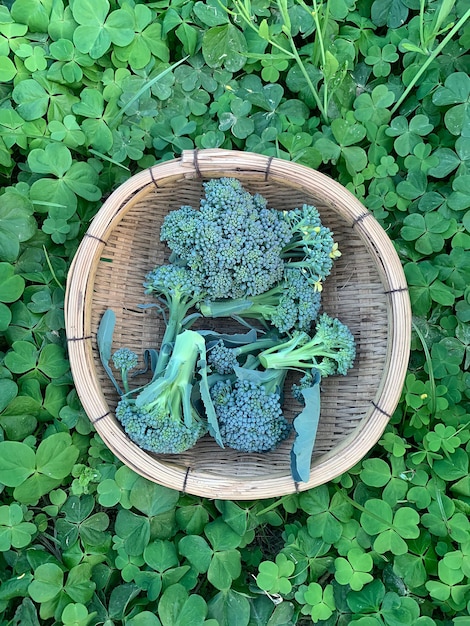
(125, 360)
(155, 431)
(162, 417)
(250, 416)
(233, 243)
(311, 247)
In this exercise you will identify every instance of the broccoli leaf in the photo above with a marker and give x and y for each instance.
(230, 340)
(104, 338)
(305, 425)
(212, 422)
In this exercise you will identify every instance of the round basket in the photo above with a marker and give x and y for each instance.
(366, 290)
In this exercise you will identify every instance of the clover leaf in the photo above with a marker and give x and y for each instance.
(98, 28)
(390, 530)
(455, 93)
(428, 231)
(317, 602)
(354, 570)
(224, 46)
(14, 532)
(274, 577)
(177, 606)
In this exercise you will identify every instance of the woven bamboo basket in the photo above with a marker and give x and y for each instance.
(366, 290)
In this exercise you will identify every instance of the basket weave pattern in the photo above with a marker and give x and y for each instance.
(366, 290)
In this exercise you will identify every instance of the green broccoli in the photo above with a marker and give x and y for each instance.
(330, 351)
(232, 244)
(311, 247)
(292, 304)
(178, 290)
(249, 410)
(162, 417)
(224, 359)
(125, 360)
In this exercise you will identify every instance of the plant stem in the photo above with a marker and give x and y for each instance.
(430, 59)
(421, 24)
(427, 354)
(294, 54)
(322, 52)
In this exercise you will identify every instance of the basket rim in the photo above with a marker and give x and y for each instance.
(214, 163)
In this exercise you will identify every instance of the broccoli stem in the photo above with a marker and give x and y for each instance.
(173, 389)
(257, 307)
(177, 311)
(299, 352)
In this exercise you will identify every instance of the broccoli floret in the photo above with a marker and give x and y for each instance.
(292, 304)
(331, 350)
(162, 417)
(178, 290)
(233, 243)
(306, 382)
(250, 414)
(312, 247)
(157, 433)
(222, 359)
(125, 360)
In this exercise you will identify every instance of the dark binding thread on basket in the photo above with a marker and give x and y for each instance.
(376, 406)
(196, 163)
(360, 218)
(397, 290)
(296, 486)
(72, 339)
(153, 177)
(268, 169)
(101, 417)
(185, 481)
(97, 238)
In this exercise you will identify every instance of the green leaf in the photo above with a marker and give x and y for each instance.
(152, 499)
(31, 98)
(454, 467)
(14, 532)
(375, 472)
(347, 134)
(11, 285)
(211, 13)
(224, 46)
(134, 530)
(97, 30)
(52, 361)
(8, 391)
(177, 608)
(34, 13)
(47, 583)
(78, 586)
(160, 555)
(56, 456)
(224, 568)
(7, 69)
(391, 13)
(17, 462)
(197, 551)
(16, 224)
(230, 608)
(54, 159)
(305, 425)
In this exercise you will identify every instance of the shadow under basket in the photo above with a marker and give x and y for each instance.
(366, 290)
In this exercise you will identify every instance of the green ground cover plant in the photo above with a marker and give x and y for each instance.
(375, 94)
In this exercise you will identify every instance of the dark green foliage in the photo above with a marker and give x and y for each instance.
(374, 94)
